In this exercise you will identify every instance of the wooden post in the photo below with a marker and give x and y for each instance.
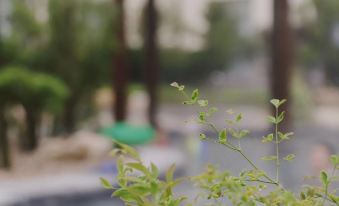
(151, 59)
(282, 57)
(120, 74)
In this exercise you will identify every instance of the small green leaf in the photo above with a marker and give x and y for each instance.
(285, 136)
(238, 118)
(334, 198)
(105, 183)
(282, 102)
(155, 170)
(212, 110)
(202, 117)
(289, 157)
(179, 87)
(243, 133)
(280, 118)
(233, 132)
(169, 173)
(126, 149)
(189, 102)
(334, 160)
(271, 119)
(268, 138)
(269, 158)
(195, 95)
(175, 84)
(203, 102)
(223, 136)
(202, 136)
(276, 102)
(138, 166)
(324, 177)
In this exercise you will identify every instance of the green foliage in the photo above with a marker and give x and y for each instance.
(32, 89)
(63, 45)
(319, 45)
(222, 44)
(140, 185)
(77, 54)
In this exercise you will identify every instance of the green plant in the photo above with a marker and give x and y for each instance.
(36, 92)
(138, 184)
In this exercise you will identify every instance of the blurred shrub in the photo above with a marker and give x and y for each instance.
(19, 85)
(36, 92)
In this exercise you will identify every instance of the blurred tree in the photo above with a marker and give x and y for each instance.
(320, 43)
(223, 43)
(120, 67)
(223, 40)
(78, 55)
(36, 92)
(65, 46)
(25, 44)
(282, 53)
(151, 62)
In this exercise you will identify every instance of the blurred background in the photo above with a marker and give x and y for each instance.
(76, 73)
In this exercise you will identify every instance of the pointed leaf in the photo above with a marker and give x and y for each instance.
(175, 84)
(238, 118)
(269, 158)
(271, 119)
(211, 111)
(105, 183)
(280, 118)
(223, 136)
(203, 102)
(275, 102)
(170, 173)
(324, 177)
(268, 138)
(202, 136)
(138, 166)
(243, 133)
(195, 95)
(289, 157)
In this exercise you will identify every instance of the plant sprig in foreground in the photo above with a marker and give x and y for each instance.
(140, 185)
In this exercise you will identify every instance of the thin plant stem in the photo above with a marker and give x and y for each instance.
(277, 146)
(328, 184)
(232, 147)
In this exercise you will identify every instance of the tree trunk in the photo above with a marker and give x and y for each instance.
(4, 144)
(31, 140)
(282, 53)
(120, 69)
(151, 59)
(69, 115)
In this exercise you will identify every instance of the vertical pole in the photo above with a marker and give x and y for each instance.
(120, 70)
(4, 144)
(151, 59)
(282, 53)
